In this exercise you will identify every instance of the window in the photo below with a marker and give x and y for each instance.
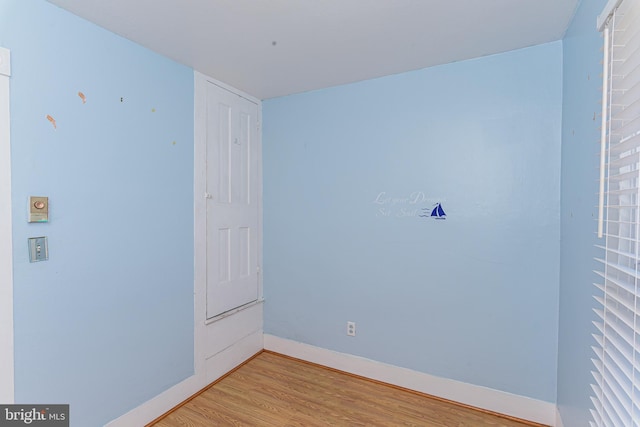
(616, 391)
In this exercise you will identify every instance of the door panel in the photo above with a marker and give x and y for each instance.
(232, 204)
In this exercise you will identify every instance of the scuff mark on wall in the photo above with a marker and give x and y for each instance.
(53, 121)
(84, 98)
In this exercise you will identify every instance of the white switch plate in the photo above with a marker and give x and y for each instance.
(38, 249)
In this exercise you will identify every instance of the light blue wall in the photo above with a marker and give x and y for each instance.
(582, 85)
(473, 297)
(107, 322)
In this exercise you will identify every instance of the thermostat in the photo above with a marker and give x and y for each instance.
(38, 209)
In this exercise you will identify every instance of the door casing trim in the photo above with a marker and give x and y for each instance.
(7, 385)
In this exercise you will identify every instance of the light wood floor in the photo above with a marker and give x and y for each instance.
(274, 390)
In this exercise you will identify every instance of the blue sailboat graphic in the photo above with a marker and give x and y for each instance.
(438, 212)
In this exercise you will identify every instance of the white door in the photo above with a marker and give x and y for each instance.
(232, 200)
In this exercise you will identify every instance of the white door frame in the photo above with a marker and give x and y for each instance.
(6, 245)
(200, 210)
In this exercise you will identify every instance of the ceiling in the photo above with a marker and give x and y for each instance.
(270, 48)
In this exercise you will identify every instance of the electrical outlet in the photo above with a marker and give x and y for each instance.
(351, 329)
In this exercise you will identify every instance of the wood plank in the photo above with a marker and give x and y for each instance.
(275, 390)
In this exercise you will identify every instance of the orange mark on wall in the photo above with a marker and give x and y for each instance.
(53, 121)
(84, 98)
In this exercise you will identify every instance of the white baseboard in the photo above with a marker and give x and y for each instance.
(558, 419)
(223, 362)
(480, 397)
(160, 404)
(216, 366)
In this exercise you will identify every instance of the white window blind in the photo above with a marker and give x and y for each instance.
(616, 390)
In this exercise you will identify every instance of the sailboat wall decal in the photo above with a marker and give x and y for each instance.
(436, 213)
